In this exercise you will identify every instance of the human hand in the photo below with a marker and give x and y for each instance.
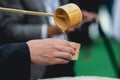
(53, 30)
(87, 19)
(51, 51)
(89, 15)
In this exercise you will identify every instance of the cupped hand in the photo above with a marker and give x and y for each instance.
(51, 51)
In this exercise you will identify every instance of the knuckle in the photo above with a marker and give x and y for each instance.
(71, 50)
(69, 56)
(64, 61)
(54, 46)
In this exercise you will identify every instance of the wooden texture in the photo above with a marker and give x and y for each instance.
(75, 57)
(25, 12)
(67, 16)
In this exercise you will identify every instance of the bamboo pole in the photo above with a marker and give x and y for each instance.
(25, 12)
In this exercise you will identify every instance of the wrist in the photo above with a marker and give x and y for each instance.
(52, 30)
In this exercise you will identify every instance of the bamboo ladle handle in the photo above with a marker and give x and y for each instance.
(25, 12)
(28, 12)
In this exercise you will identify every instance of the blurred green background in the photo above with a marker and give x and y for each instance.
(94, 60)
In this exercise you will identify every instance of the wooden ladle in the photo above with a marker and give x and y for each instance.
(65, 17)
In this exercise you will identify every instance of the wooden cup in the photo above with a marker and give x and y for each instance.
(75, 57)
(67, 16)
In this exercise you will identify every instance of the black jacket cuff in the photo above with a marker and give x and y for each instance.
(15, 62)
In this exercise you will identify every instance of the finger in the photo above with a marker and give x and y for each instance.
(66, 49)
(61, 61)
(65, 43)
(63, 55)
(68, 44)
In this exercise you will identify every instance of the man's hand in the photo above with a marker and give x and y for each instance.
(51, 51)
(53, 30)
(87, 17)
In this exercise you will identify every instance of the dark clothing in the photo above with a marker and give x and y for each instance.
(60, 70)
(19, 27)
(14, 62)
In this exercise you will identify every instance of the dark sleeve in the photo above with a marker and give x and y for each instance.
(14, 62)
